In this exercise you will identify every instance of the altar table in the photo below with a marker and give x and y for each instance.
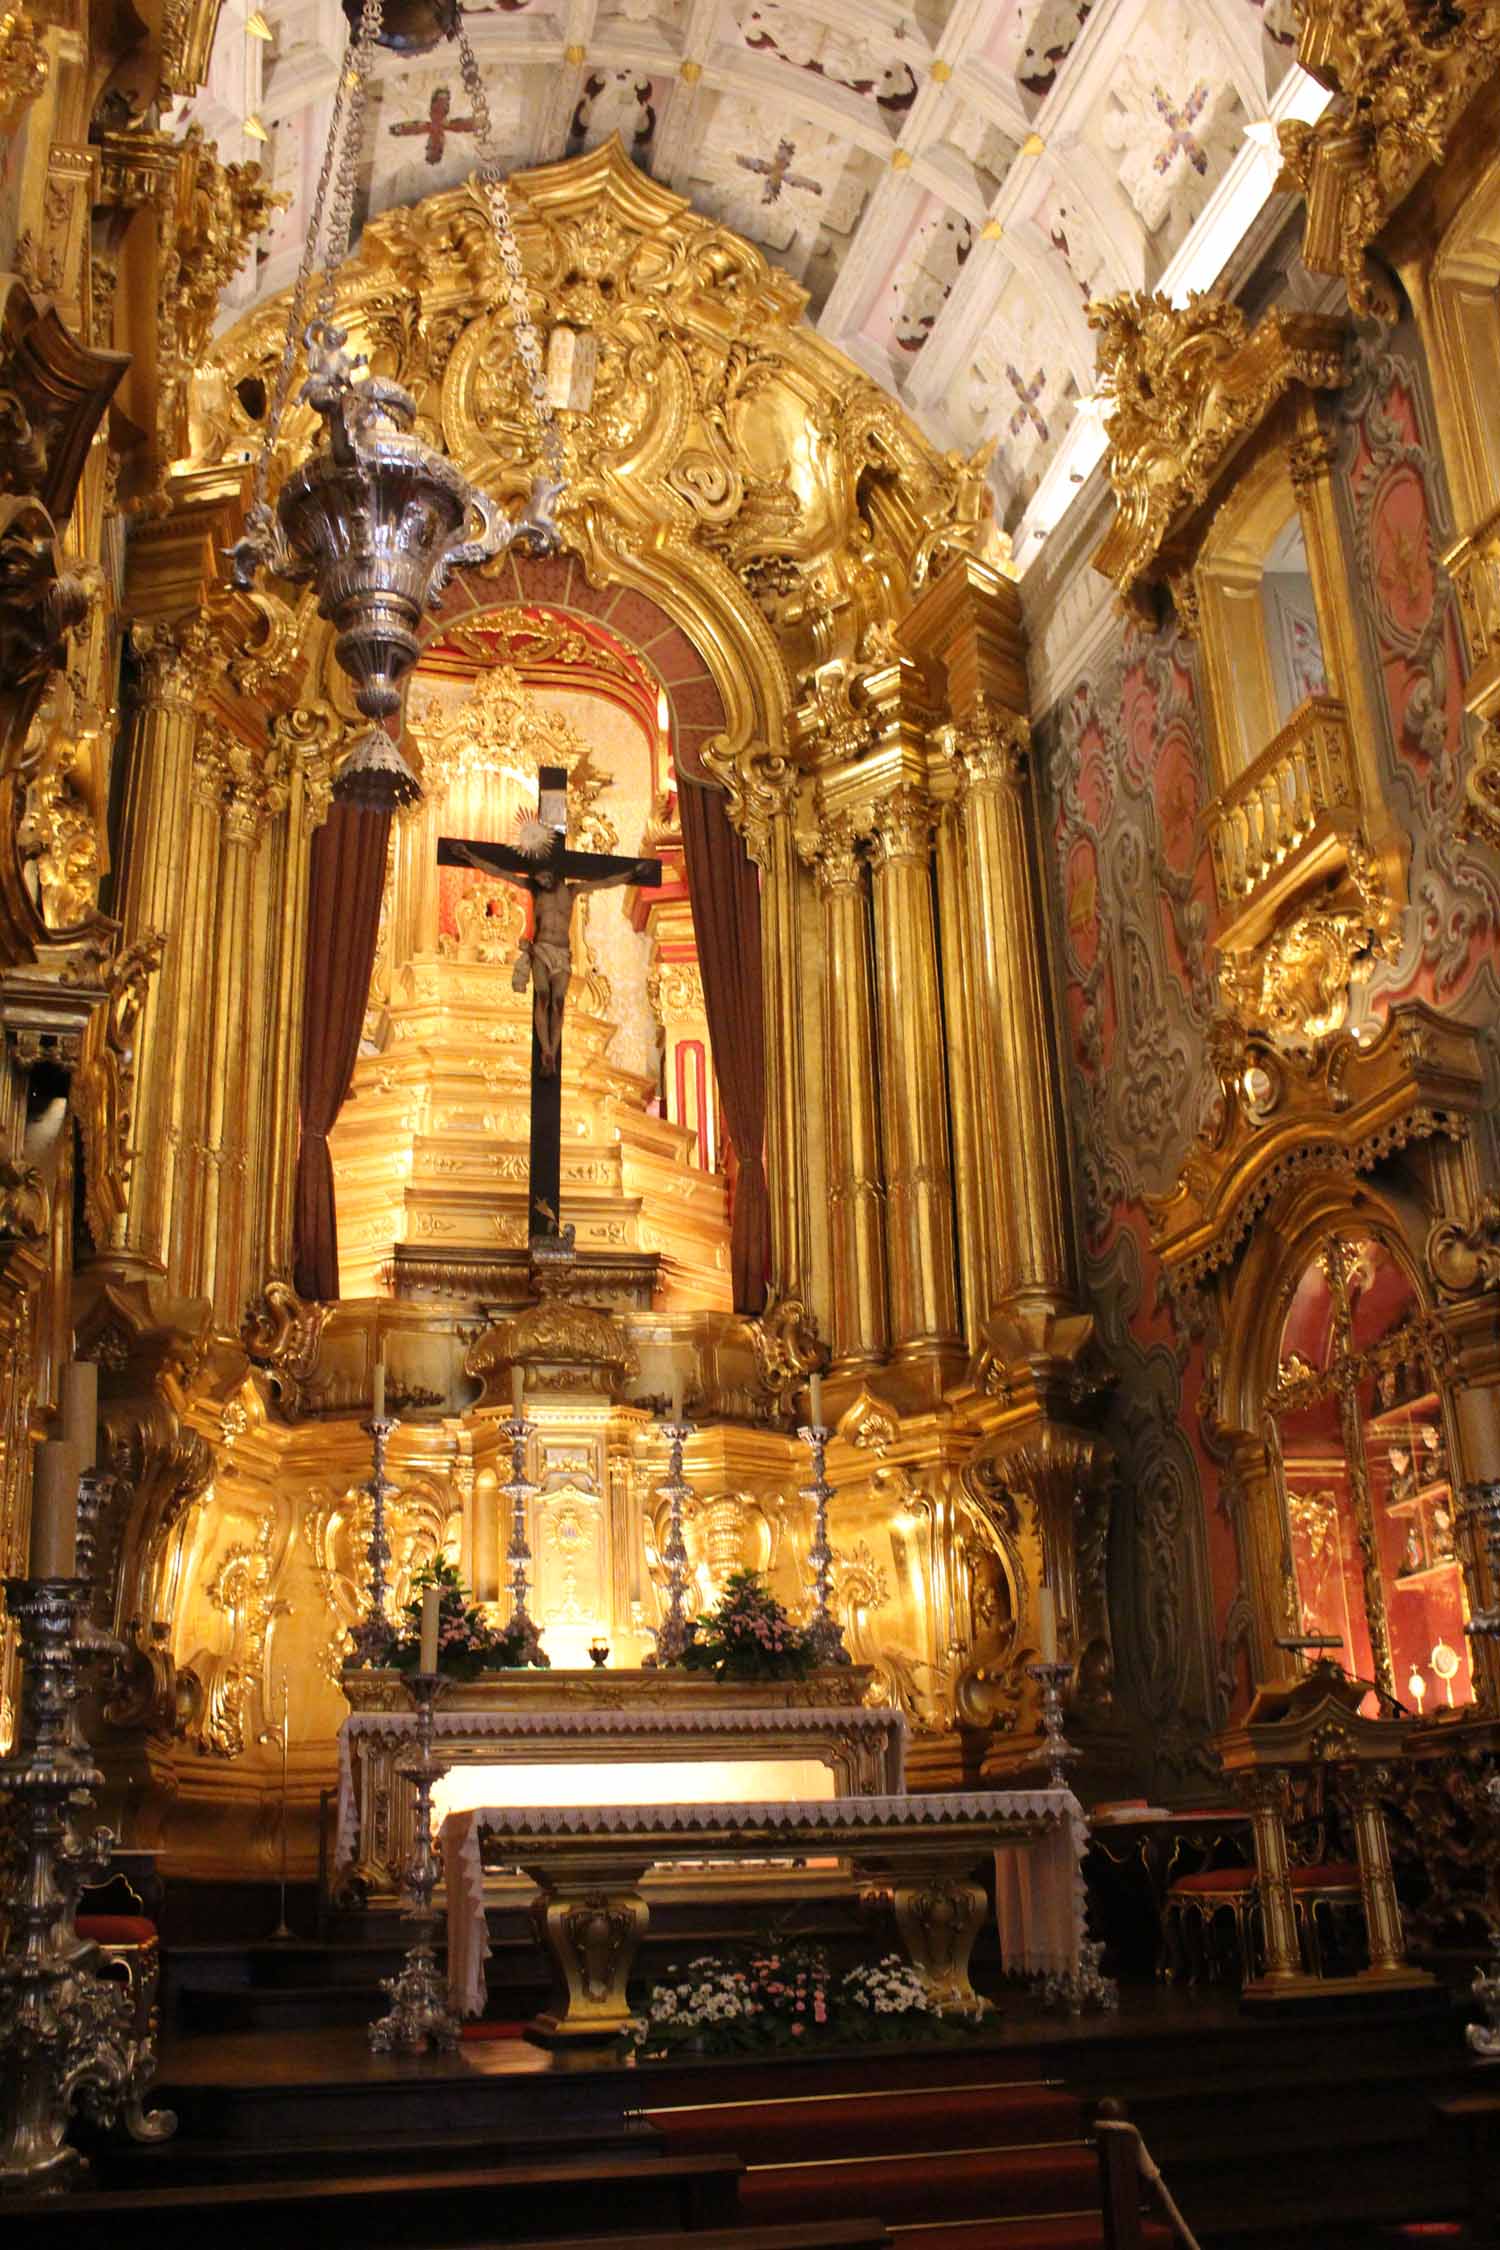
(550, 1738)
(913, 1855)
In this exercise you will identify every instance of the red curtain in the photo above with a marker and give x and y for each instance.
(346, 880)
(724, 889)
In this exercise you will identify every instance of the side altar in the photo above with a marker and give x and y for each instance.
(549, 1738)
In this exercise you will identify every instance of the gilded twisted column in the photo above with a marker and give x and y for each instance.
(860, 1330)
(158, 874)
(919, 1195)
(1015, 1063)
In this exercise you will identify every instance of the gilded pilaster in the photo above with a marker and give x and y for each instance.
(919, 1189)
(860, 1328)
(1015, 1066)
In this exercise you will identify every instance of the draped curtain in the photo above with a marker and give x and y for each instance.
(724, 891)
(346, 880)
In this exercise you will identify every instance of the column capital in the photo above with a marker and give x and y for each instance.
(990, 748)
(246, 782)
(837, 857)
(903, 824)
(172, 655)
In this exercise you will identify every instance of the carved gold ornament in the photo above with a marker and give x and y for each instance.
(1402, 72)
(1296, 985)
(23, 66)
(1186, 384)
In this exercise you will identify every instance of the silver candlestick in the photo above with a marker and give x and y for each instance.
(672, 1632)
(419, 2015)
(68, 2033)
(1057, 1752)
(518, 1554)
(374, 1633)
(825, 1632)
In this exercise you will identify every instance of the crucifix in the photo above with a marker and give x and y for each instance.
(552, 878)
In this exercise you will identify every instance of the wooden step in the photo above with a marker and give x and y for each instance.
(407, 2210)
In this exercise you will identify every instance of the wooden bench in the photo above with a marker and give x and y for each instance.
(914, 1860)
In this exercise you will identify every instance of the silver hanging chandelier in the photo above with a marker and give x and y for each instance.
(374, 518)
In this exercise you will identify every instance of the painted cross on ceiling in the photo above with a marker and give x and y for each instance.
(437, 125)
(777, 172)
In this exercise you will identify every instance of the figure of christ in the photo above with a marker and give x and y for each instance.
(547, 955)
(553, 877)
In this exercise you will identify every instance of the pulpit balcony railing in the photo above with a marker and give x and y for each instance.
(1286, 820)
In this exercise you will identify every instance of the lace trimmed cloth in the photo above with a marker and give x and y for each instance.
(1039, 1890)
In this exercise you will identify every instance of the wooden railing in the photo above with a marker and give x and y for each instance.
(1124, 2162)
(1264, 818)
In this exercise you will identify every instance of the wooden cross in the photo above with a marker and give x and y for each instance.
(437, 124)
(552, 877)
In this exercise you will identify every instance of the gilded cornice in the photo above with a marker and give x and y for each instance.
(1341, 1107)
(1402, 72)
(1188, 385)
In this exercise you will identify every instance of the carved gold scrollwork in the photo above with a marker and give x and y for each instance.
(1187, 384)
(1402, 72)
(23, 66)
(104, 1085)
(1463, 1256)
(284, 1336)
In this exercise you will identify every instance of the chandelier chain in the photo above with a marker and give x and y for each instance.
(341, 216)
(492, 185)
(345, 145)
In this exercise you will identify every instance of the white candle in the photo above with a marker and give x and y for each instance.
(432, 1602)
(677, 1394)
(54, 1510)
(517, 1390)
(815, 1391)
(377, 1392)
(80, 1410)
(1046, 1614)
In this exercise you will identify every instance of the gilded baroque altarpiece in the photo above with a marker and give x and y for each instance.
(737, 485)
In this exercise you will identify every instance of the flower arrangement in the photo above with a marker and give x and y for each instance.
(749, 1636)
(783, 1996)
(467, 1643)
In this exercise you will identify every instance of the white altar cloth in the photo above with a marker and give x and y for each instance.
(1039, 1887)
(880, 1725)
